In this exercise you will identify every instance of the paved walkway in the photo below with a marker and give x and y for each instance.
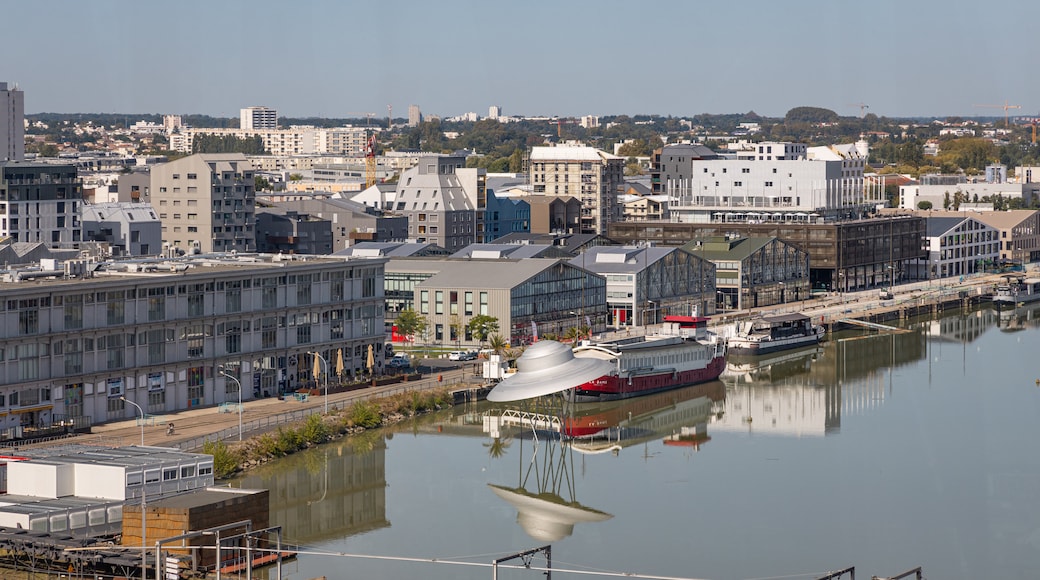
(192, 426)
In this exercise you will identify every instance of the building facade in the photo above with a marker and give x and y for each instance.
(129, 229)
(12, 123)
(644, 284)
(673, 164)
(258, 118)
(206, 203)
(590, 175)
(40, 202)
(753, 272)
(443, 200)
(158, 332)
(959, 246)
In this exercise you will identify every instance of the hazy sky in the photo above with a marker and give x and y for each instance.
(532, 57)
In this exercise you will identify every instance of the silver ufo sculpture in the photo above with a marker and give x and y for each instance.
(547, 367)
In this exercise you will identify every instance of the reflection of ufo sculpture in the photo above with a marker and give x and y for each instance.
(547, 517)
(547, 367)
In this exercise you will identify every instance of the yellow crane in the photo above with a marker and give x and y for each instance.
(1005, 106)
(370, 149)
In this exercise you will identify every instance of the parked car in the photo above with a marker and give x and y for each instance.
(399, 361)
(462, 355)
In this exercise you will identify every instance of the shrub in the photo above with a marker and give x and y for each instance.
(225, 460)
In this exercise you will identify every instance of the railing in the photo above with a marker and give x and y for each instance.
(270, 422)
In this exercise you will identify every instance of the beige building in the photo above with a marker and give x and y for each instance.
(206, 203)
(301, 140)
(551, 214)
(589, 174)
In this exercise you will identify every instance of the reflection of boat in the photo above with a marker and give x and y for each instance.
(774, 333)
(683, 353)
(772, 367)
(1016, 289)
(1018, 318)
(680, 416)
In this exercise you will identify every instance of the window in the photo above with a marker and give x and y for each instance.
(28, 321)
(438, 302)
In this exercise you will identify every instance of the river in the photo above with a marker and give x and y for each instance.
(883, 452)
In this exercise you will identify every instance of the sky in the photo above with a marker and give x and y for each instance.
(344, 58)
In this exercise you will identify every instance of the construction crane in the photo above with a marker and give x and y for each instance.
(862, 108)
(559, 123)
(1005, 106)
(368, 117)
(370, 161)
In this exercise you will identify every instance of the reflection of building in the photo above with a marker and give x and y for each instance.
(323, 494)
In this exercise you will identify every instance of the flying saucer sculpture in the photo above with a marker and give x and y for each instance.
(547, 367)
(547, 517)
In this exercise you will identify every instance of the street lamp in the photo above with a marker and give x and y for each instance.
(326, 363)
(239, 383)
(144, 489)
(650, 307)
(577, 324)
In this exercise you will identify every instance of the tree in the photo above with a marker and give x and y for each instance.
(632, 167)
(455, 324)
(634, 148)
(410, 323)
(295, 177)
(497, 344)
(261, 184)
(481, 326)
(924, 204)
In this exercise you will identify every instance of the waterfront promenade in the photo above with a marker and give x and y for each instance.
(194, 426)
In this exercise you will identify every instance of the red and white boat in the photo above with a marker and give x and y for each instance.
(683, 352)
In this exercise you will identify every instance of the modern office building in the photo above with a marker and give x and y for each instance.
(12, 123)
(206, 203)
(591, 175)
(959, 245)
(160, 332)
(258, 118)
(776, 182)
(40, 202)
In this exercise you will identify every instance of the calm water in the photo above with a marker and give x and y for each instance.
(884, 453)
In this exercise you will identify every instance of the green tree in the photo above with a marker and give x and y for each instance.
(634, 148)
(295, 177)
(497, 344)
(632, 167)
(261, 184)
(924, 204)
(482, 326)
(410, 324)
(455, 325)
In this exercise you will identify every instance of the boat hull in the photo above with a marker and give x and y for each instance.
(743, 347)
(613, 387)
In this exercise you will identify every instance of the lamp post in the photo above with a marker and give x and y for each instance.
(326, 363)
(651, 306)
(577, 325)
(239, 384)
(144, 489)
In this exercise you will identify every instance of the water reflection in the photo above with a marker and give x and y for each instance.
(1019, 318)
(326, 493)
(545, 496)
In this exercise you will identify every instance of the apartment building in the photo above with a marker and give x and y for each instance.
(959, 245)
(129, 229)
(672, 165)
(776, 182)
(12, 123)
(40, 202)
(205, 202)
(443, 200)
(591, 175)
(294, 141)
(414, 116)
(159, 332)
(258, 118)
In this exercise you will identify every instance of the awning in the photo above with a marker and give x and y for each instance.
(32, 409)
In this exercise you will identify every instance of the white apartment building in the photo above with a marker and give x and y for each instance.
(958, 245)
(296, 140)
(206, 203)
(775, 182)
(12, 123)
(588, 174)
(258, 118)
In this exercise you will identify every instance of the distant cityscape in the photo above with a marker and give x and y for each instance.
(149, 259)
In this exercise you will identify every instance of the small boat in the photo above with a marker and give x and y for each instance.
(1016, 289)
(773, 333)
(683, 352)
